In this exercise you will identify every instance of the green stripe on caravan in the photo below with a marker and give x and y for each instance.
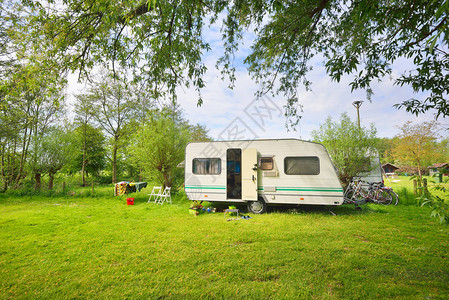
(257, 171)
(205, 187)
(306, 189)
(310, 189)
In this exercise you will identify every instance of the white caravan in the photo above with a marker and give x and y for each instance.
(376, 172)
(261, 172)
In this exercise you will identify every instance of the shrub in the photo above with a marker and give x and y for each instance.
(406, 197)
(439, 208)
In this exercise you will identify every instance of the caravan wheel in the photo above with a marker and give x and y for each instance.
(257, 207)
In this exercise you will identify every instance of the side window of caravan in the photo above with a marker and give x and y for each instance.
(211, 166)
(302, 165)
(266, 163)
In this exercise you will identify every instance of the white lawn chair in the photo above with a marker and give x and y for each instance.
(156, 193)
(165, 196)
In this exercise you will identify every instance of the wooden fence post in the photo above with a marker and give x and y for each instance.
(415, 185)
(419, 187)
(92, 188)
(424, 182)
(63, 187)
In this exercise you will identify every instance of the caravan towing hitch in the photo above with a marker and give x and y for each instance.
(355, 202)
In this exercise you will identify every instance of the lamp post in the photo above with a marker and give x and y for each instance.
(357, 105)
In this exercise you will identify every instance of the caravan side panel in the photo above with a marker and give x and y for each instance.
(203, 181)
(319, 185)
(283, 181)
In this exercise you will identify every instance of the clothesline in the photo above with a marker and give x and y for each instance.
(127, 187)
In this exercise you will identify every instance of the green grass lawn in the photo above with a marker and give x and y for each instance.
(407, 182)
(98, 247)
(403, 186)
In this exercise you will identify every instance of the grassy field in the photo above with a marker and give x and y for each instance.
(403, 185)
(98, 247)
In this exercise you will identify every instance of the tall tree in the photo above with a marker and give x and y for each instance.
(89, 151)
(11, 122)
(350, 147)
(29, 93)
(159, 145)
(114, 105)
(417, 144)
(55, 152)
(45, 110)
(363, 38)
(30, 104)
(7, 58)
(163, 41)
(90, 140)
(199, 133)
(384, 147)
(444, 146)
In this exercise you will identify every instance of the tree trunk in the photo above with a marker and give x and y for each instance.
(5, 174)
(424, 187)
(83, 170)
(10, 167)
(12, 163)
(26, 141)
(51, 177)
(37, 184)
(3, 162)
(167, 179)
(114, 162)
(23, 159)
(415, 187)
(419, 170)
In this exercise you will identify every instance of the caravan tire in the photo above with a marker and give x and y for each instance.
(257, 207)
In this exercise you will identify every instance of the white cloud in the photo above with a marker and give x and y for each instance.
(221, 105)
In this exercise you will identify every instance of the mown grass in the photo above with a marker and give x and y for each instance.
(403, 186)
(98, 247)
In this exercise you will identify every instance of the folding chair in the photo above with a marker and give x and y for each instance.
(165, 196)
(156, 193)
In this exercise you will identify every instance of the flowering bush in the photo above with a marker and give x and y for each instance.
(196, 208)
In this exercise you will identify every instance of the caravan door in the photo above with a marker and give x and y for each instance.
(249, 174)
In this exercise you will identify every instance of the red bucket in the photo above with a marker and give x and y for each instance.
(130, 201)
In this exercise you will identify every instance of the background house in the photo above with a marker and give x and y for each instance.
(411, 170)
(437, 168)
(389, 168)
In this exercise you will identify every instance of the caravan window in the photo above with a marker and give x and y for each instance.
(266, 163)
(210, 166)
(302, 165)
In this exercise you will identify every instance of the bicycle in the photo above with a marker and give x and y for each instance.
(380, 194)
(354, 193)
(376, 192)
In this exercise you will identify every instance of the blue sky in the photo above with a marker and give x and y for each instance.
(223, 106)
(235, 112)
(225, 109)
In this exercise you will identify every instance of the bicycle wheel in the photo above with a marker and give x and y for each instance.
(349, 193)
(384, 197)
(395, 197)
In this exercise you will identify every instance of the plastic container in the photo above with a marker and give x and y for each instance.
(130, 201)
